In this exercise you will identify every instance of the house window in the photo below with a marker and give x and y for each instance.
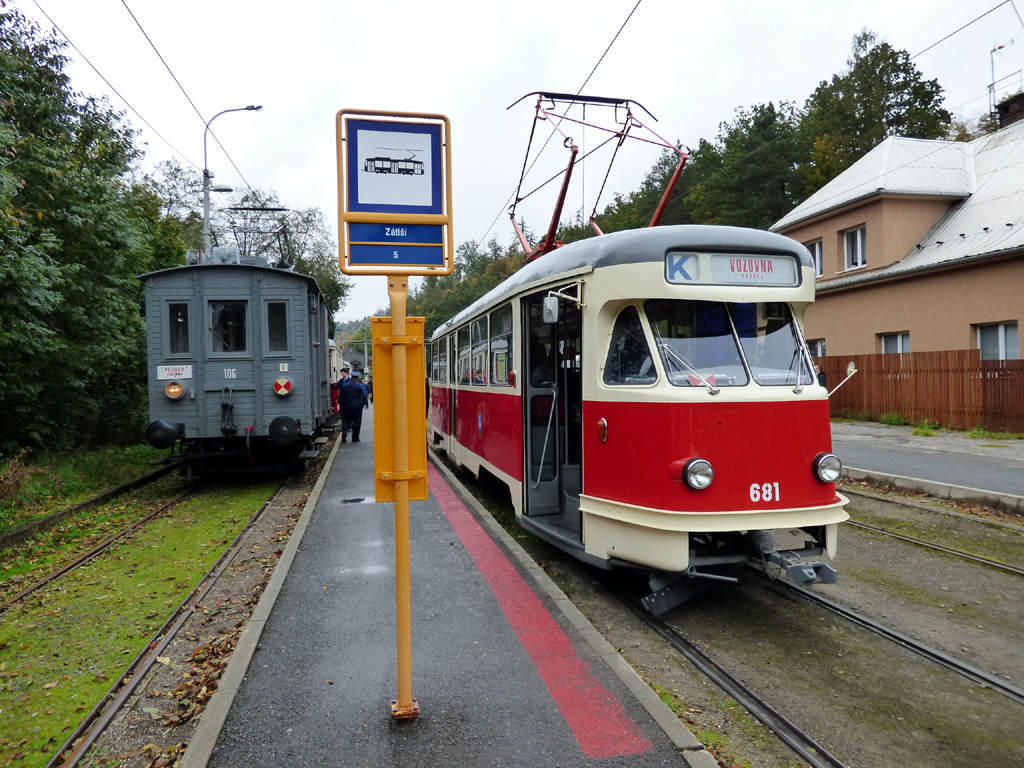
(816, 257)
(817, 347)
(895, 343)
(855, 242)
(999, 341)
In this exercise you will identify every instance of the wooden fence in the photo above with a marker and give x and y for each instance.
(955, 389)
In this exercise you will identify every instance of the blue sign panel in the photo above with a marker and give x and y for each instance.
(681, 267)
(397, 254)
(394, 167)
(417, 234)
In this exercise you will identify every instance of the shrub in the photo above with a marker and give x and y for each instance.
(895, 419)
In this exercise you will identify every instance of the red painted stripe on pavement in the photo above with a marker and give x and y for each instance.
(595, 715)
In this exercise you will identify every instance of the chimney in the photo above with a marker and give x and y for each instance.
(1010, 110)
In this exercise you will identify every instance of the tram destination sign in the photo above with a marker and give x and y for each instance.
(683, 268)
(394, 193)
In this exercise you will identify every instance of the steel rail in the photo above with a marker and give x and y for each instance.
(984, 679)
(797, 740)
(93, 725)
(929, 508)
(940, 548)
(92, 553)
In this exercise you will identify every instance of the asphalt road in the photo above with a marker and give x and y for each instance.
(946, 457)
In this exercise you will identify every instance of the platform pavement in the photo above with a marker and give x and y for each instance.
(506, 670)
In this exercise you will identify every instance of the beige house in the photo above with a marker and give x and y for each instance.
(919, 246)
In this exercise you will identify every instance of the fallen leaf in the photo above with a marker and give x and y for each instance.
(164, 659)
(48, 686)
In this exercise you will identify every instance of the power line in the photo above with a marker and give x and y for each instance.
(965, 26)
(578, 92)
(109, 85)
(180, 86)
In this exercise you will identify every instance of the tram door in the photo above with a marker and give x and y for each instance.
(553, 418)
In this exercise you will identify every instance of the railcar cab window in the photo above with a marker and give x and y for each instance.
(277, 326)
(629, 357)
(696, 343)
(464, 369)
(501, 345)
(178, 329)
(771, 344)
(228, 326)
(478, 372)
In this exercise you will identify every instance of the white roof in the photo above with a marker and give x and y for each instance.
(986, 176)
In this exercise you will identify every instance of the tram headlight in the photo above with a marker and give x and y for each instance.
(698, 474)
(827, 467)
(174, 390)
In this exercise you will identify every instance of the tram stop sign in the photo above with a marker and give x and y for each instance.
(394, 193)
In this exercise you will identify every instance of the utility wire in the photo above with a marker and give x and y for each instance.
(578, 92)
(965, 26)
(178, 83)
(109, 85)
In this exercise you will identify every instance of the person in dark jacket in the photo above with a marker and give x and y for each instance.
(353, 400)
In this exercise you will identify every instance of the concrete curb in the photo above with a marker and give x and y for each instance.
(211, 722)
(1004, 501)
(688, 744)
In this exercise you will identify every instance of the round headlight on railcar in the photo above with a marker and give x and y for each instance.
(698, 474)
(827, 467)
(174, 390)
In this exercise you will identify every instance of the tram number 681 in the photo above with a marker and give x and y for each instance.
(764, 492)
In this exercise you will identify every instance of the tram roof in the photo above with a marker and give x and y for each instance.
(634, 246)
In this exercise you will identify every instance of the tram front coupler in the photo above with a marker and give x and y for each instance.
(803, 572)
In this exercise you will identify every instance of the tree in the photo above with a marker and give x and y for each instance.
(881, 94)
(74, 234)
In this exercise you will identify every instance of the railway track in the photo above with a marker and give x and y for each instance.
(93, 725)
(974, 674)
(94, 552)
(791, 734)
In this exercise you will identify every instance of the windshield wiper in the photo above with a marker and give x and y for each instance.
(668, 352)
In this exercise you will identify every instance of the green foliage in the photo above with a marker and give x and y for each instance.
(881, 94)
(477, 270)
(895, 419)
(74, 235)
(925, 429)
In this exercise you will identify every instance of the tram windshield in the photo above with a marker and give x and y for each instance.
(696, 342)
(713, 344)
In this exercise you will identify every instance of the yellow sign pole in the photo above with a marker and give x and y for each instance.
(405, 707)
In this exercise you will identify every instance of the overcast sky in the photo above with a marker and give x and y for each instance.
(690, 63)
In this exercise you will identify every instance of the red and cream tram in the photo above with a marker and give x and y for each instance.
(650, 401)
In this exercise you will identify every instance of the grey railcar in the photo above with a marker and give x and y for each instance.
(238, 368)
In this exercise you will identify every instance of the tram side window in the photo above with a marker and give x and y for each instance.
(629, 358)
(177, 326)
(433, 362)
(277, 326)
(442, 361)
(478, 375)
(696, 343)
(463, 360)
(771, 343)
(227, 326)
(501, 345)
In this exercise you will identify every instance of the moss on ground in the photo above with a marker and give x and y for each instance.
(63, 648)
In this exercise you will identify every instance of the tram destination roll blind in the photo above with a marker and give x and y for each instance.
(730, 269)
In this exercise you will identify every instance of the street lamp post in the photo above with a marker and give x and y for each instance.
(207, 176)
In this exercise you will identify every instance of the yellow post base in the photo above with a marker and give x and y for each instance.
(405, 713)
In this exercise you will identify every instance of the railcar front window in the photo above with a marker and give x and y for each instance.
(771, 344)
(177, 319)
(629, 358)
(277, 326)
(228, 325)
(696, 343)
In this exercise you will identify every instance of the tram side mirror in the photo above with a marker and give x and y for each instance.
(549, 310)
(851, 369)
